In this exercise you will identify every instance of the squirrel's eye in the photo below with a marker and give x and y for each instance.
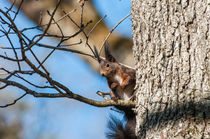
(107, 65)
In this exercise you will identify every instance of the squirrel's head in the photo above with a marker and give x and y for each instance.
(107, 68)
(107, 65)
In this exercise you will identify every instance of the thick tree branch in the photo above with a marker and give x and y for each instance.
(70, 95)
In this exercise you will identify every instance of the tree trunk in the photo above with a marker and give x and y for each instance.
(172, 55)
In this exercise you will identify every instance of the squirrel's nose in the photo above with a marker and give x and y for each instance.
(102, 73)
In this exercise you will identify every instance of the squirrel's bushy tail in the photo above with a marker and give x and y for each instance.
(118, 130)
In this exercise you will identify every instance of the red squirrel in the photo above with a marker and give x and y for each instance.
(121, 81)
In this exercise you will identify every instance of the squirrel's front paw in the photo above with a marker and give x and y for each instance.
(113, 97)
(125, 82)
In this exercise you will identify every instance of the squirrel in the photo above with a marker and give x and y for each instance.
(121, 81)
(117, 129)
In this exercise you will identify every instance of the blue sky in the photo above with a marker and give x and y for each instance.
(115, 11)
(65, 118)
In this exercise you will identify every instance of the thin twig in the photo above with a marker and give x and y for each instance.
(83, 33)
(112, 31)
(48, 26)
(72, 11)
(82, 12)
(96, 24)
(13, 48)
(65, 49)
(73, 44)
(14, 102)
(103, 95)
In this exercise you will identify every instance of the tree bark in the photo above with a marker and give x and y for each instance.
(172, 55)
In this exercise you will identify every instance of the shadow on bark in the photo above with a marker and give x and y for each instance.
(190, 110)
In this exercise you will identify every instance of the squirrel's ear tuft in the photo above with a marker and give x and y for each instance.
(97, 55)
(108, 55)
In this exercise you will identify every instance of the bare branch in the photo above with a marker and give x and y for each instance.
(14, 102)
(96, 24)
(65, 39)
(72, 96)
(103, 95)
(26, 46)
(67, 14)
(13, 48)
(83, 33)
(66, 49)
(11, 59)
(67, 45)
(112, 31)
(48, 26)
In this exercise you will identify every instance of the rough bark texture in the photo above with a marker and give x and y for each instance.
(172, 54)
